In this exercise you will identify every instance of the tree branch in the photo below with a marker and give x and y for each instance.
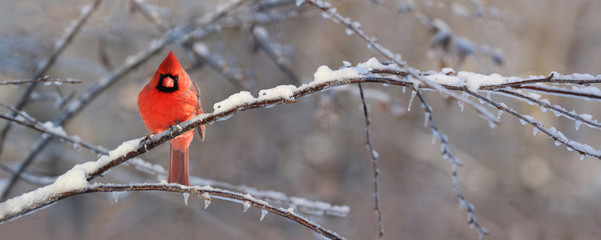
(44, 197)
(374, 161)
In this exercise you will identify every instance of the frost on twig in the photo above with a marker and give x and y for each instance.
(374, 160)
(45, 79)
(355, 27)
(75, 181)
(455, 162)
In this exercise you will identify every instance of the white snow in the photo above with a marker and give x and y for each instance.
(233, 101)
(57, 130)
(282, 91)
(201, 48)
(325, 74)
(574, 76)
(73, 180)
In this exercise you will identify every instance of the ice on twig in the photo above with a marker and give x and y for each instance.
(246, 205)
(186, 196)
(263, 214)
(116, 196)
(207, 199)
(413, 93)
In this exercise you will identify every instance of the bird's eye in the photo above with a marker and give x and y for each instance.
(176, 77)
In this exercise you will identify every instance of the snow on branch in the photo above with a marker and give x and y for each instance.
(277, 198)
(45, 79)
(74, 183)
(49, 128)
(585, 150)
(355, 27)
(301, 204)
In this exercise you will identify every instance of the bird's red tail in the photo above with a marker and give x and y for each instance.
(178, 166)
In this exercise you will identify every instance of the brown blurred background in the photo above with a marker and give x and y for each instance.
(523, 187)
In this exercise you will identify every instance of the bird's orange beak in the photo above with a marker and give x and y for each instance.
(167, 82)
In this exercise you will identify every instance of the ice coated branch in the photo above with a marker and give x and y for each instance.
(355, 27)
(455, 162)
(76, 184)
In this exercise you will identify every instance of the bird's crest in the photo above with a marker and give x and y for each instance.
(170, 65)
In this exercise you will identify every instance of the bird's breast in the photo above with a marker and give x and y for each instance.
(160, 110)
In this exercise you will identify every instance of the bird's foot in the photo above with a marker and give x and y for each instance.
(144, 142)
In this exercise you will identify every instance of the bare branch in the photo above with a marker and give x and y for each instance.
(374, 162)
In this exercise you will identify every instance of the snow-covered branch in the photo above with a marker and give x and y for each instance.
(44, 79)
(355, 27)
(74, 183)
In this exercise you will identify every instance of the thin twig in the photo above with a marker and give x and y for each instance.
(44, 79)
(584, 149)
(555, 108)
(374, 161)
(455, 162)
(27, 121)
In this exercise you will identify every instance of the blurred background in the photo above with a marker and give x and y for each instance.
(523, 186)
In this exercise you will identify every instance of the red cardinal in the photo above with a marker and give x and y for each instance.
(168, 99)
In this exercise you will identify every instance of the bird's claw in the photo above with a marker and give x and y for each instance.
(144, 142)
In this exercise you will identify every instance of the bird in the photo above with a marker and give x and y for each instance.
(170, 98)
